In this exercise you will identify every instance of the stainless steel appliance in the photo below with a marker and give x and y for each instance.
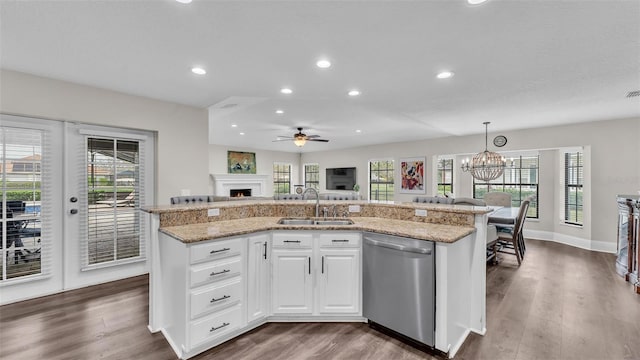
(628, 256)
(399, 285)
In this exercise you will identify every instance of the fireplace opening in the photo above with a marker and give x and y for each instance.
(239, 192)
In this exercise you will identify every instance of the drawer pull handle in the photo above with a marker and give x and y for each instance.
(220, 272)
(219, 327)
(292, 241)
(213, 300)
(221, 250)
(340, 241)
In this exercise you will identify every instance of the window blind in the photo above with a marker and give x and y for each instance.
(26, 202)
(573, 181)
(112, 178)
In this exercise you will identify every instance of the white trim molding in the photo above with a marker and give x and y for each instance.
(592, 245)
(222, 183)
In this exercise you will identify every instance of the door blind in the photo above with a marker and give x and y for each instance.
(113, 182)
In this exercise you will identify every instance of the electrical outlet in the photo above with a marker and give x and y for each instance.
(354, 208)
(421, 212)
(213, 212)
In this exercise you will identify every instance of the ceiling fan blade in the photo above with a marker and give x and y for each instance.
(321, 140)
(276, 140)
(312, 136)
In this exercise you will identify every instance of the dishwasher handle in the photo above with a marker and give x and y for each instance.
(399, 247)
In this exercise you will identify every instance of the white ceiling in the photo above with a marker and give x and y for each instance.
(518, 64)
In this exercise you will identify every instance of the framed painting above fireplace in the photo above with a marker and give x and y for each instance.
(241, 162)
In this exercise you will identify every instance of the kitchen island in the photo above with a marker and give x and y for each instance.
(220, 269)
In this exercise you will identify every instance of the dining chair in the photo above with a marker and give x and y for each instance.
(511, 242)
(496, 198)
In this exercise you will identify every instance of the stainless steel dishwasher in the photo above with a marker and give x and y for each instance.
(399, 285)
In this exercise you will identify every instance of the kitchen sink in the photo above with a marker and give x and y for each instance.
(290, 221)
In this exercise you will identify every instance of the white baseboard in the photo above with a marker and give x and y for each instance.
(592, 245)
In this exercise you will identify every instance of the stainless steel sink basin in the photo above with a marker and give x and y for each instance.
(289, 221)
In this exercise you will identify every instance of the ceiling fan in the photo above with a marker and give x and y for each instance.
(300, 139)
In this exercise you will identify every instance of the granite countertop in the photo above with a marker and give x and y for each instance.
(467, 209)
(220, 229)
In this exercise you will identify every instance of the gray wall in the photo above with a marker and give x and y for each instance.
(611, 146)
(181, 131)
(264, 163)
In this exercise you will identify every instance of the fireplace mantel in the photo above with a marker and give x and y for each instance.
(223, 183)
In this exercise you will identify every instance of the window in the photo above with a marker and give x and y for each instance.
(445, 176)
(281, 178)
(381, 180)
(520, 179)
(312, 176)
(23, 196)
(573, 181)
(113, 226)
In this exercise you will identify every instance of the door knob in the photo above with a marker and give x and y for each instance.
(73, 199)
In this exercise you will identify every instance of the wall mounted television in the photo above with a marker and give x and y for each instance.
(341, 178)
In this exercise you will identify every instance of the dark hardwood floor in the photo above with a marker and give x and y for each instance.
(562, 303)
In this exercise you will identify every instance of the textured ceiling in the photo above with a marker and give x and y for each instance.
(518, 64)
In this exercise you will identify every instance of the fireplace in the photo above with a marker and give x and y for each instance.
(239, 192)
(225, 183)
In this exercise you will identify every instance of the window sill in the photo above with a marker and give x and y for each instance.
(572, 225)
(109, 264)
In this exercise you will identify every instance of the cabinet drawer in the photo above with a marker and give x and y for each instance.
(215, 271)
(212, 250)
(292, 241)
(215, 297)
(215, 326)
(339, 239)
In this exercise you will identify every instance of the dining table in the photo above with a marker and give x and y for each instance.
(504, 218)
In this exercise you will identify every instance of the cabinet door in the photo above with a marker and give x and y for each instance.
(292, 282)
(258, 278)
(339, 281)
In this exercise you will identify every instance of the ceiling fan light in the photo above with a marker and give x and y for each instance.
(299, 141)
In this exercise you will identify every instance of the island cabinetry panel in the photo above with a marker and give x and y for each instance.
(258, 278)
(317, 274)
(292, 281)
(203, 292)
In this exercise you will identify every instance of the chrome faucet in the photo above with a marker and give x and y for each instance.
(317, 199)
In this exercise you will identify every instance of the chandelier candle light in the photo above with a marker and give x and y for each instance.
(486, 165)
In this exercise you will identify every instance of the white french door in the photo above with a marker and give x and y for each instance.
(70, 205)
(32, 225)
(109, 176)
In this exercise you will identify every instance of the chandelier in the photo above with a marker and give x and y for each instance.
(486, 165)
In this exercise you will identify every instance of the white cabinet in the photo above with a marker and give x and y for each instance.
(203, 291)
(339, 281)
(316, 273)
(339, 278)
(258, 278)
(292, 286)
(292, 282)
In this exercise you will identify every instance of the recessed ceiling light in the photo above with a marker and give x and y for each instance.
(323, 64)
(354, 93)
(286, 91)
(358, 131)
(184, 1)
(241, 133)
(445, 75)
(234, 125)
(475, 2)
(198, 71)
(279, 112)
